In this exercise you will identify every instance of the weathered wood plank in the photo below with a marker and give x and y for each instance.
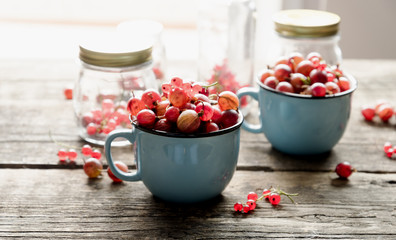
(65, 204)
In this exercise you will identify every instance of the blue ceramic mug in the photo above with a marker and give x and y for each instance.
(181, 167)
(300, 124)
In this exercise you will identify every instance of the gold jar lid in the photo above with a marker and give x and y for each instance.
(115, 52)
(306, 23)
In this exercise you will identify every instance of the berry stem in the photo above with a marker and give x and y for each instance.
(210, 85)
(61, 144)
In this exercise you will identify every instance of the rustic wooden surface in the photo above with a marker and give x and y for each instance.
(41, 199)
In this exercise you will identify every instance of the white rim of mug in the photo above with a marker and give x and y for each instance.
(190, 135)
(351, 79)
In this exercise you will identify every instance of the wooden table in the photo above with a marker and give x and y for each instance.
(41, 199)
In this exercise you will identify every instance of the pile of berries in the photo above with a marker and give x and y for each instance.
(273, 195)
(93, 166)
(383, 109)
(184, 107)
(389, 150)
(105, 119)
(308, 76)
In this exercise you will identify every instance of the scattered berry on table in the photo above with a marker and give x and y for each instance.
(253, 196)
(121, 166)
(62, 155)
(344, 169)
(93, 168)
(68, 92)
(86, 150)
(251, 203)
(96, 154)
(368, 113)
(238, 207)
(72, 154)
(274, 198)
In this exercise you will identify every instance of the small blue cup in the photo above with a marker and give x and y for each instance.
(179, 167)
(300, 124)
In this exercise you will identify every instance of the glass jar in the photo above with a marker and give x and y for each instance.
(305, 31)
(152, 31)
(111, 71)
(226, 31)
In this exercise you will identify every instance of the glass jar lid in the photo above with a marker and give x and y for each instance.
(306, 23)
(115, 52)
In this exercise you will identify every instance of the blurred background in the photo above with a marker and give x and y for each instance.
(53, 28)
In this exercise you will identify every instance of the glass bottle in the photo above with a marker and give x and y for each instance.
(305, 31)
(152, 31)
(226, 31)
(111, 71)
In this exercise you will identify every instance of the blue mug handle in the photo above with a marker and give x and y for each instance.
(131, 138)
(252, 92)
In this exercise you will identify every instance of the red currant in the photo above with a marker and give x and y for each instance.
(62, 155)
(344, 169)
(96, 154)
(91, 129)
(274, 199)
(385, 112)
(368, 113)
(387, 146)
(72, 154)
(238, 207)
(266, 192)
(68, 93)
(177, 82)
(86, 150)
(252, 204)
(246, 208)
(166, 88)
(252, 195)
(389, 153)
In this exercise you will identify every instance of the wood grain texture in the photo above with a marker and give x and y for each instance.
(60, 204)
(32, 104)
